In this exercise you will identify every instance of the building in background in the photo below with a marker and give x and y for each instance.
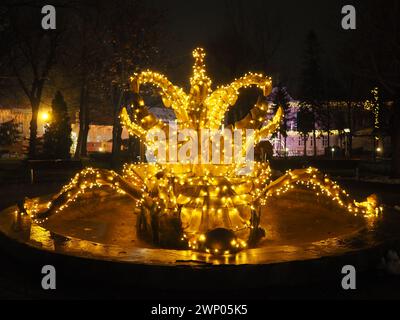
(99, 137)
(355, 124)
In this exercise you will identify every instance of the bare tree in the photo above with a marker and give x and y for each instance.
(130, 44)
(83, 63)
(31, 55)
(311, 89)
(379, 51)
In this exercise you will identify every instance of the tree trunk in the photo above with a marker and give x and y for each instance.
(350, 145)
(33, 131)
(81, 147)
(117, 141)
(396, 140)
(305, 146)
(373, 147)
(37, 89)
(286, 149)
(315, 142)
(117, 128)
(329, 126)
(349, 134)
(329, 140)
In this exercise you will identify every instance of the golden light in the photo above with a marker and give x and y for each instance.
(202, 206)
(44, 116)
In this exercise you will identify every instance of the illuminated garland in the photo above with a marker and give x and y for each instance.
(374, 107)
(201, 108)
(199, 206)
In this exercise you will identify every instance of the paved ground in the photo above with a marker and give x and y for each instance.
(22, 282)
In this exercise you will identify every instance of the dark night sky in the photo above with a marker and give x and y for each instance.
(191, 23)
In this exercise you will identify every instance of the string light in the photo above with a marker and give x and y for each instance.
(202, 197)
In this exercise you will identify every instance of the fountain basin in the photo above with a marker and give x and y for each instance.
(305, 241)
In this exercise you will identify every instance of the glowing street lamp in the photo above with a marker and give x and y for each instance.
(45, 116)
(333, 152)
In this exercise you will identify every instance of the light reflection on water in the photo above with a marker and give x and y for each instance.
(42, 236)
(20, 228)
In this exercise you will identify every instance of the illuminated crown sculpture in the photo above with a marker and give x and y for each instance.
(201, 206)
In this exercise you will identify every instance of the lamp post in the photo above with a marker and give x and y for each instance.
(45, 116)
(347, 132)
(333, 153)
(379, 151)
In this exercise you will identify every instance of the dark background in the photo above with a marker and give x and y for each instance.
(191, 24)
